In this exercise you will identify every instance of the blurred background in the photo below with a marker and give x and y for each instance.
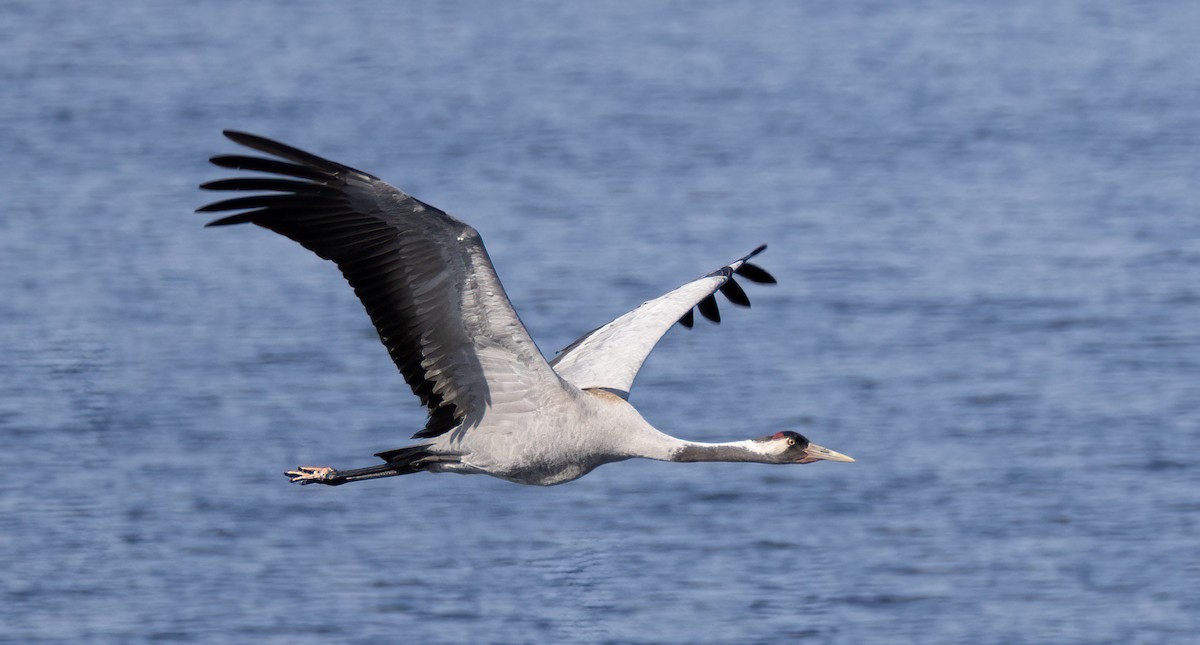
(983, 221)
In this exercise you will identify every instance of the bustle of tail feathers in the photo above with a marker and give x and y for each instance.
(402, 459)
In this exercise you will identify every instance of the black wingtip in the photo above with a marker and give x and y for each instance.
(708, 308)
(688, 319)
(267, 184)
(755, 273)
(243, 218)
(296, 155)
(734, 292)
(249, 140)
(253, 201)
(260, 164)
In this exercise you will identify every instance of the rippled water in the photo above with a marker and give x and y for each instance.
(984, 224)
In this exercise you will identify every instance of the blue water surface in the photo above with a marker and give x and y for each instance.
(983, 218)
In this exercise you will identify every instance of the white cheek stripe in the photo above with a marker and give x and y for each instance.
(768, 448)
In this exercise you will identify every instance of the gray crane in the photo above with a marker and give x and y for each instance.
(496, 406)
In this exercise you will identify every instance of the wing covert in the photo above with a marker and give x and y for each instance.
(609, 357)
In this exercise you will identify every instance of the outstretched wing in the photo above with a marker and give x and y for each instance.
(423, 276)
(609, 357)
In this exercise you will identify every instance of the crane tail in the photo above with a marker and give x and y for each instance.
(404, 457)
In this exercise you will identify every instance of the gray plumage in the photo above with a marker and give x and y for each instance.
(496, 406)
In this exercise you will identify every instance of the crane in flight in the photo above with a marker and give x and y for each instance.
(496, 406)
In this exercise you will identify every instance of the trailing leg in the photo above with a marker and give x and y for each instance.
(403, 461)
(332, 477)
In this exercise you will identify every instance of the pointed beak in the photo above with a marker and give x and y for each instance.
(816, 453)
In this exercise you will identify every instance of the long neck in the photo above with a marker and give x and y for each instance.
(632, 436)
(731, 451)
(664, 447)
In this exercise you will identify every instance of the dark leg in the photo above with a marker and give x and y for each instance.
(404, 461)
(330, 477)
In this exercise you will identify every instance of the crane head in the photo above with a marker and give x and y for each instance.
(795, 448)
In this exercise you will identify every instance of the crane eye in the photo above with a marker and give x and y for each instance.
(791, 442)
